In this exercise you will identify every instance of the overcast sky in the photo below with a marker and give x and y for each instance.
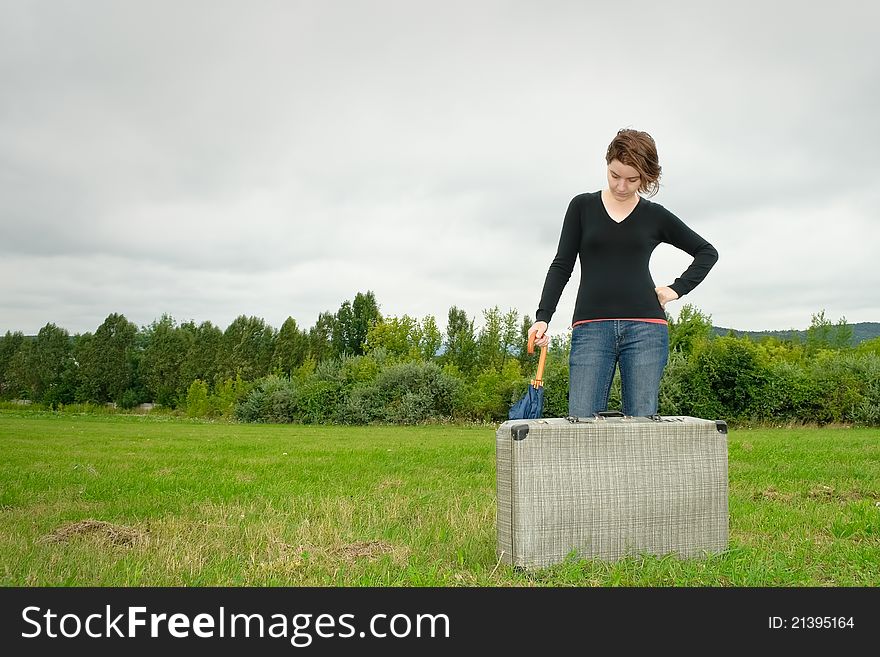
(210, 159)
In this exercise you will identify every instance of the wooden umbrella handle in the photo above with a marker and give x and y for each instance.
(538, 381)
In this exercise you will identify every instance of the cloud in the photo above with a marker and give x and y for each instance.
(210, 159)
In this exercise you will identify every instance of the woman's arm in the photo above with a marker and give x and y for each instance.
(563, 264)
(676, 233)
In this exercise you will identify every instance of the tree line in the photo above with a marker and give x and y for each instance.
(126, 365)
(358, 366)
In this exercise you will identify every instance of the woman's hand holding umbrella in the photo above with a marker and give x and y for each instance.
(531, 406)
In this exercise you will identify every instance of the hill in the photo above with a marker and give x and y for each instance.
(861, 331)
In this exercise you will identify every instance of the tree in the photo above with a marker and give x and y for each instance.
(522, 346)
(461, 346)
(498, 338)
(203, 353)
(398, 336)
(107, 360)
(197, 403)
(20, 380)
(405, 338)
(353, 321)
(9, 345)
(691, 327)
(843, 335)
(510, 343)
(161, 366)
(86, 384)
(365, 313)
(52, 366)
(247, 348)
(819, 333)
(822, 334)
(291, 347)
(320, 337)
(489, 341)
(430, 339)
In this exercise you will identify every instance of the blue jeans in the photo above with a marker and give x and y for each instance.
(641, 348)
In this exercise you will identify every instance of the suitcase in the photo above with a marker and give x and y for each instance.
(608, 487)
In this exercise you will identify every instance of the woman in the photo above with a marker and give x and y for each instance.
(619, 314)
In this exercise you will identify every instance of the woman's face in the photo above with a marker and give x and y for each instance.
(623, 181)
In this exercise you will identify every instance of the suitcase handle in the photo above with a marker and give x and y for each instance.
(606, 414)
(538, 381)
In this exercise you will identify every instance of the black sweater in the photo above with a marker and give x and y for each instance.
(615, 280)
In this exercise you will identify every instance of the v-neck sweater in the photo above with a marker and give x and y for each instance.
(615, 278)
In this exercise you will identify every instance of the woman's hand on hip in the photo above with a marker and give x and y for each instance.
(665, 295)
(540, 331)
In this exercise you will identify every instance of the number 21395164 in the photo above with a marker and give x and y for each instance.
(811, 623)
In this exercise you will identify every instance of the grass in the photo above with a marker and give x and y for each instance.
(123, 500)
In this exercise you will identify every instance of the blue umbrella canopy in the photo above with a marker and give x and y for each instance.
(531, 405)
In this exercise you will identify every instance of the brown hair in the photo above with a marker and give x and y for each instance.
(637, 150)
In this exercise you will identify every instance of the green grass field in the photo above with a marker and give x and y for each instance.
(158, 501)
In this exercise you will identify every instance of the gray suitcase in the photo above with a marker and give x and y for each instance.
(607, 487)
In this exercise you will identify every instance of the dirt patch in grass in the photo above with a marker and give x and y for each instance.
(106, 532)
(830, 494)
(772, 494)
(820, 493)
(364, 549)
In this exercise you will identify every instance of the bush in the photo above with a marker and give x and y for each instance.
(272, 399)
(329, 370)
(403, 393)
(55, 396)
(129, 399)
(787, 395)
(318, 401)
(492, 392)
(418, 391)
(197, 399)
(363, 405)
(673, 385)
(281, 404)
(736, 379)
(844, 386)
(556, 377)
(358, 370)
(228, 395)
(724, 380)
(730, 378)
(411, 408)
(867, 411)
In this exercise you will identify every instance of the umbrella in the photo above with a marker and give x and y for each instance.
(531, 405)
